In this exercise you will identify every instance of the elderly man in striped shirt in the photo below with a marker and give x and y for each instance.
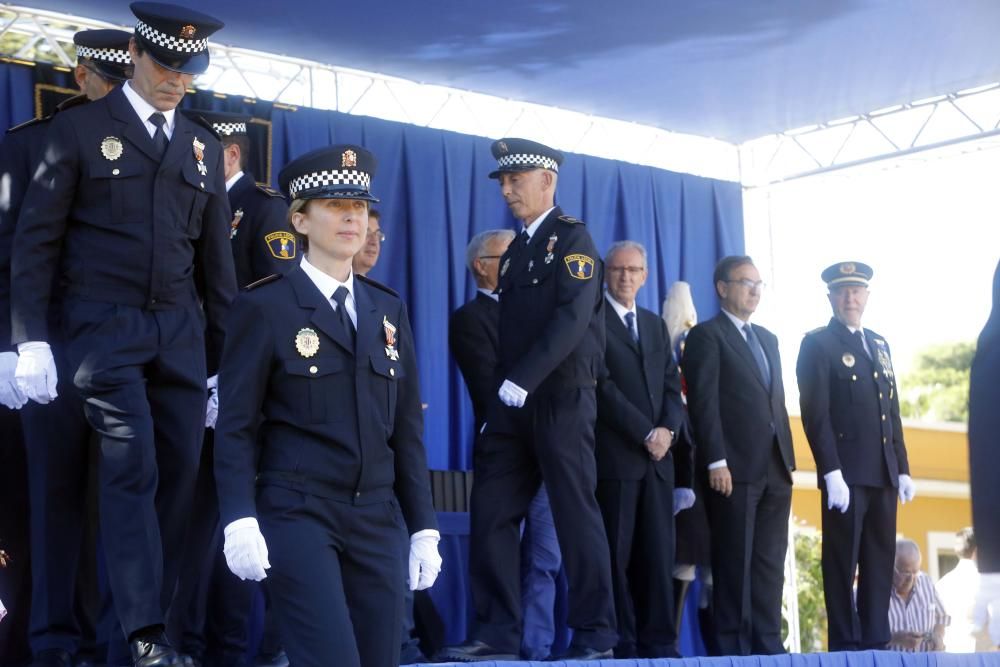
(917, 618)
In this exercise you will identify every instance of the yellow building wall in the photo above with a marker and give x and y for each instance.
(935, 454)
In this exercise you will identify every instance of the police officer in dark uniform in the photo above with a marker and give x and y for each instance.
(322, 378)
(850, 411)
(57, 435)
(127, 215)
(551, 347)
(211, 608)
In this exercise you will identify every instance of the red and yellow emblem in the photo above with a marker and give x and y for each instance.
(349, 159)
(188, 31)
(390, 339)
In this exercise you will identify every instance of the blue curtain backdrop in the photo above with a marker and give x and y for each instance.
(436, 195)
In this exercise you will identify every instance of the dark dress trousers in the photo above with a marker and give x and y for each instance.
(737, 418)
(212, 605)
(850, 411)
(984, 424)
(340, 453)
(137, 245)
(551, 344)
(639, 391)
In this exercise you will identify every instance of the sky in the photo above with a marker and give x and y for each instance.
(927, 224)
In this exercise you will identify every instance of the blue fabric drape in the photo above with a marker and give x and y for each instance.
(436, 195)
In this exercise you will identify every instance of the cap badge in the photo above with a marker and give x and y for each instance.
(112, 148)
(188, 31)
(349, 159)
(307, 342)
(502, 147)
(847, 268)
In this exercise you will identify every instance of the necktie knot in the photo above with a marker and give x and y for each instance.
(157, 119)
(340, 296)
(861, 341)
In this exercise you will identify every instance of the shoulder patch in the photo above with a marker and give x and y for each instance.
(263, 281)
(571, 220)
(269, 191)
(376, 284)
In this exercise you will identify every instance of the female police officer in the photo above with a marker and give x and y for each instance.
(319, 370)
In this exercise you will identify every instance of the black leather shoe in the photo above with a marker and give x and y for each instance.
(583, 653)
(153, 652)
(52, 657)
(472, 651)
(279, 659)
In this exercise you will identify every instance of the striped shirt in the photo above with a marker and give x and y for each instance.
(919, 613)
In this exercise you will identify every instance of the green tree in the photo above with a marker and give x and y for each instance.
(937, 389)
(809, 580)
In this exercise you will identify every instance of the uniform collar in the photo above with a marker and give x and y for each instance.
(144, 109)
(533, 227)
(326, 283)
(232, 181)
(486, 292)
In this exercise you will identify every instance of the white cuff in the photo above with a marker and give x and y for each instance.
(721, 463)
(245, 522)
(32, 345)
(426, 532)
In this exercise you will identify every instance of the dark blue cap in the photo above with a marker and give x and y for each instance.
(225, 124)
(106, 51)
(343, 171)
(175, 37)
(847, 273)
(514, 154)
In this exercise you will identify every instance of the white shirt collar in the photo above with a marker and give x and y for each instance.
(232, 181)
(737, 322)
(533, 227)
(621, 310)
(489, 293)
(326, 283)
(144, 110)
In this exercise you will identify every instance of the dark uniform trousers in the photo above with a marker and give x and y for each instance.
(341, 457)
(212, 605)
(551, 344)
(129, 234)
(57, 437)
(850, 411)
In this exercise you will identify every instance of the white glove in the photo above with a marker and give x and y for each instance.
(907, 489)
(683, 499)
(511, 395)
(36, 371)
(838, 495)
(245, 549)
(425, 561)
(987, 605)
(10, 393)
(212, 410)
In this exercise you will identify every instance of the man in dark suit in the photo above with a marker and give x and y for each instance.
(551, 346)
(850, 411)
(736, 402)
(127, 215)
(984, 460)
(639, 410)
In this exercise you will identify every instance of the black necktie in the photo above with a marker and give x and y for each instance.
(340, 296)
(630, 323)
(861, 341)
(758, 354)
(160, 140)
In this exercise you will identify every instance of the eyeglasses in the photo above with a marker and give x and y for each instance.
(631, 270)
(490, 256)
(749, 284)
(905, 574)
(377, 234)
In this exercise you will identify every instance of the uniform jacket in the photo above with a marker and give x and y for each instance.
(850, 406)
(733, 414)
(341, 424)
(639, 389)
(117, 225)
(552, 312)
(262, 241)
(472, 338)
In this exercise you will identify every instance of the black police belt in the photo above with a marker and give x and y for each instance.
(324, 488)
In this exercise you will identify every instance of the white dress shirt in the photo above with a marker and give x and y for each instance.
(232, 181)
(533, 227)
(144, 110)
(621, 311)
(327, 285)
(489, 293)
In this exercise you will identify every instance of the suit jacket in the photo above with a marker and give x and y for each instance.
(262, 241)
(639, 389)
(118, 224)
(344, 422)
(472, 338)
(850, 406)
(733, 414)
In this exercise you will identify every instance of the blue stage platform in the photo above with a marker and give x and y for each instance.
(859, 659)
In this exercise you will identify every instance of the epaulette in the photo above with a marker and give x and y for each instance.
(197, 118)
(268, 190)
(376, 284)
(815, 331)
(75, 101)
(263, 281)
(571, 220)
(28, 123)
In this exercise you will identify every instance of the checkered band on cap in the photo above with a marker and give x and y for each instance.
(177, 44)
(527, 160)
(318, 179)
(106, 55)
(229, 129)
